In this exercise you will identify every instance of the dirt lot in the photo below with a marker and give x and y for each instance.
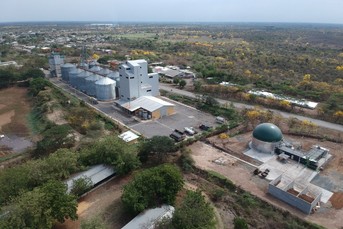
(241, 174)
(14, 108)
(103, 202)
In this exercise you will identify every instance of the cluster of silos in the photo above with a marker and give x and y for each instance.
(92, 80)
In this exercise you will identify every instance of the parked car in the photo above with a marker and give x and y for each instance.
(177, 135)
(190, 131)
(204, 127)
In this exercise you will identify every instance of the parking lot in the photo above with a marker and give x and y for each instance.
(185, 116)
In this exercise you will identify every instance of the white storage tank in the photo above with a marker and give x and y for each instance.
(90, 84)
(104, 72)
(65, 70)
(105, 89)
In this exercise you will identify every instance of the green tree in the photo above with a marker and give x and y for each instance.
(182, 83)
(111, 151)
(37, 85)
(152, 187)
(93, 223)
(157, 145)
(197, 86)
(33, 73)
(41, 207)
(176, 80)
(58, 136)
(194, 213)
(81, 185)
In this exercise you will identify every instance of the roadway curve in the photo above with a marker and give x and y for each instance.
(318, 122)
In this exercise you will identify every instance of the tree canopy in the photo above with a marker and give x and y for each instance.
(40, 208)
(152, 187)
(157, 145)
(194, 213)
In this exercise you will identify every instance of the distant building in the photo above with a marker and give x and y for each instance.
(136, 82)
(55, 62)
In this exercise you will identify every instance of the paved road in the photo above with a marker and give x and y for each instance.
(318, 122)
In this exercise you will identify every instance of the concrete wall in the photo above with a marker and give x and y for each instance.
(290, 199)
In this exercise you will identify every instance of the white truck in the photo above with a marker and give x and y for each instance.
(189, 130)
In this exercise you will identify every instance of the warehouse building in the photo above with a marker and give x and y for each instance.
(148, 107)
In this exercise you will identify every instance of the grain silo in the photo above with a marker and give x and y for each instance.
(65, 69)
(81, 80)
(104, 72)
(95, 69)
(93, 64)
(90, 84)
(105, 89)
(73, 76)
(113, 75)
(83, 65)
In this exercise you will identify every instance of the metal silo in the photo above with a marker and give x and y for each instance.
(93, 64)
(81, 80)
(73, 76)
(90, 84)
(105, 89)
(65, 69)
(104, 72)
(113, 75)
(83, 65)
(95, 69)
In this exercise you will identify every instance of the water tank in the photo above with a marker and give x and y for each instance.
(81, 80)
(104, 72)
(65, 69)
(73, 74)
(90, 84)
(105, 89)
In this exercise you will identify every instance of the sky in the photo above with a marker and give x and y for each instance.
(303, 11)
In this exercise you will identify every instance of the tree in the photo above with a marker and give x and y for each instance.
(33, 73)
(36, 85)
(194, 213)
(111, 151)
(176, 80)
(157, 145)
(41, 207)
(152, 187)
(182, 83)
(80, 186)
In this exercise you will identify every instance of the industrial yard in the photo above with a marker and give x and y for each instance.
(232, 164)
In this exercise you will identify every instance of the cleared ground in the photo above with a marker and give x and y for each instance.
(14, 109)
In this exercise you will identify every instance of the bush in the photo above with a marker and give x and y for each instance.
(240, 223)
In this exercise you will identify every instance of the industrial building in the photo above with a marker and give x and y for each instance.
(135, 80)
(55, 62)
(148, 107)
(304, 197)
(266, 137)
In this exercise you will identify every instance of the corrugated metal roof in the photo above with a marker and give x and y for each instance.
(149, 103)
(96, 174)
(149, 218)
(105, 81)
